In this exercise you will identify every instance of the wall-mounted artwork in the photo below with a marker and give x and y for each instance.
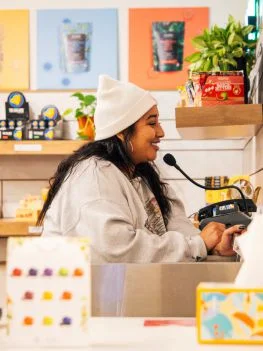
(159, 40)
(14, 49)
(74, 47)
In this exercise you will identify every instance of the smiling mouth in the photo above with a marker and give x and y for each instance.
(155, 146)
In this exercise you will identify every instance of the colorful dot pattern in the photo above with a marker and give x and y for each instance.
(47, 295)
(46, 321)
(47, 272)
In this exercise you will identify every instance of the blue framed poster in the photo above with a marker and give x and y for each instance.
(75, 46)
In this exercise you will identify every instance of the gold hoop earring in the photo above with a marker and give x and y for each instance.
(131, 146)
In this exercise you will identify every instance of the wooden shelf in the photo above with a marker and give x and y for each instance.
(39, 147)
(16, 227)
(213, 122)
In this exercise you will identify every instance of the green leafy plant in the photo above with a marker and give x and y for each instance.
(84, 114)
(87, 105)
(221, 49)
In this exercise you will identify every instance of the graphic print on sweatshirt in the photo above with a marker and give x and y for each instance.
(154, 222)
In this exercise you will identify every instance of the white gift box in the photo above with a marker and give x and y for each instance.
(48, 291)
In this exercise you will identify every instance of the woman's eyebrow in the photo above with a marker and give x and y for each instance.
(152, 116)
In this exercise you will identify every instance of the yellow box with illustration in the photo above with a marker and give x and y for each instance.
(229, 315)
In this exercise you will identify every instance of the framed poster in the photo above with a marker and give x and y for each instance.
(74, 47)
(159, 40)
(14, 49)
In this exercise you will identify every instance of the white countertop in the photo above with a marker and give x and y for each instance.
(123, 334)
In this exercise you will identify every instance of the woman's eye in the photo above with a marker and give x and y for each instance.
(152, 123)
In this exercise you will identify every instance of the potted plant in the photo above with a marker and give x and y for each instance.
(84, 114)
(223, 49)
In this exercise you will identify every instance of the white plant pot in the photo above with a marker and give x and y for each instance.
(70, 128)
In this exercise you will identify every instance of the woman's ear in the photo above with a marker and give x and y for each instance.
(120, 136)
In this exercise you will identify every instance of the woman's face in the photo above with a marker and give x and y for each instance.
(146, 137)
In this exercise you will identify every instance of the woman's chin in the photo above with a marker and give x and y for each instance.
(153, 156)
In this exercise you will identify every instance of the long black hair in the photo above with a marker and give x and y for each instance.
(115, 151)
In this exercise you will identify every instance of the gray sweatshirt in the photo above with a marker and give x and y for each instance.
(121, 217)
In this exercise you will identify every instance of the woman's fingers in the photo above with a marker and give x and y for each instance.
(238, 228)
(212, 234)
(227, 241)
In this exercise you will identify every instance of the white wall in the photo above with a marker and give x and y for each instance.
(219, 11)
(253, 164)
(198, 158)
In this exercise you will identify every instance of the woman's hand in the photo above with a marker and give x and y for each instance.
(212, 234)
(225, 246)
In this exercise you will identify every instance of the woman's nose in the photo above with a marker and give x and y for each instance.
(160, 132)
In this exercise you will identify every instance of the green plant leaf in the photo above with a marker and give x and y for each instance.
(194, 57)
(216, 30)
(79, 95)
(231, 38)
(92, 112)
(221, 52)
(238, 52)
(211, 53)
(247, 29)
(198, 42)
(197, 66)
(207, 65)
(216, 69)
(230, 61)
(234, 39)
(231, 19)
(67, 112)
(230, 29)
(216, 43)
(78, 113)
(215, 61)
(207, 35)
(89, 99)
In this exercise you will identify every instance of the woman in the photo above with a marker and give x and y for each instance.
(111, 191)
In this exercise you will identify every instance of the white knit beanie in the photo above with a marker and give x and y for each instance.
(119, 105)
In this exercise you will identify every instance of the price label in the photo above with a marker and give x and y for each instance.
(27, 147)
(35, 229)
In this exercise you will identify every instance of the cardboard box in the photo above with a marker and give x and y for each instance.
(219, 88)
(229, 315)
(41, 134)
(11, 134)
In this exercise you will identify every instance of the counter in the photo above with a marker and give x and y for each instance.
(157, 290)
(129, 334)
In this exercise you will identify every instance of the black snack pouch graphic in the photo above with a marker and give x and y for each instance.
(168, 46)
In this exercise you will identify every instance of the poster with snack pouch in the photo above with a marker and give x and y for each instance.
(159, 40)
(48, 292)
(73, 49)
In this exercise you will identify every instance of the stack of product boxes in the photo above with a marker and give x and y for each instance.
(215, 88)
(17, 115)
(18, 126)
(11, 129)
(43, 128)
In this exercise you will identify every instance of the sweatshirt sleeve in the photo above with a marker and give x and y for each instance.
(114, 238)
(180, 222)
